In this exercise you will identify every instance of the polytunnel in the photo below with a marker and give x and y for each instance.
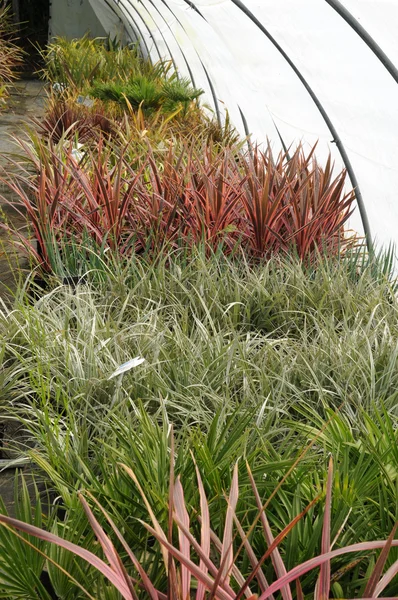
(286, 71)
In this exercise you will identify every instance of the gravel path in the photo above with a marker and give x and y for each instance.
(27, 101)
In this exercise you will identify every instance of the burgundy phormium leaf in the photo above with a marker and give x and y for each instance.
(259, 203)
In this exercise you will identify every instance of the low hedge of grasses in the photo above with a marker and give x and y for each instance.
(231, 201)
(78, 63)
(99, 69)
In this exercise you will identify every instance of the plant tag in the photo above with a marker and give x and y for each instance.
(134, 362)
(85, 101)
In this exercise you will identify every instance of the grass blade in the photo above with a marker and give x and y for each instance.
(323, 584)
(276, 558)
(86, 555)
(316, 562)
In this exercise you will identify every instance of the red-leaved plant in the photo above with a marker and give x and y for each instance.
(226, 200)
(292, 202)
(208, 567)
(66, 119)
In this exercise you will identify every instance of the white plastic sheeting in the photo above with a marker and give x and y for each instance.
(291, 69)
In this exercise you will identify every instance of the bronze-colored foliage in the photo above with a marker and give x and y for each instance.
(251, 201)
(66, 119)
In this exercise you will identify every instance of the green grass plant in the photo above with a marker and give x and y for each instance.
(213, 566)
(245, 362)
(78, 63)
(326, 334)
(118, 74)
(168, 95)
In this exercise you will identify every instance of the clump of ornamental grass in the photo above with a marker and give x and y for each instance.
(248, 363)
(115, 74)
(221, 560)
(167, 95)
(66, 120)
(83, 121)
(326, 333)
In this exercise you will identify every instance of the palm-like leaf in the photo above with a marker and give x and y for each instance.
(215, 579)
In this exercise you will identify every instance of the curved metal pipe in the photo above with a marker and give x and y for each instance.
(213, 93)
(163, 38)
(192, 5)
(135, 27)
(145, 25)
(176, 41)
(326, 118)
(244, 121)
(365, 36)
(247, 131)
(211, 86)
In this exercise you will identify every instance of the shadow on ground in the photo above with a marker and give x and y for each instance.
(27, 101)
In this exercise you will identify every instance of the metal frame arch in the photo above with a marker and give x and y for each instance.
(127, 6)
(209, 80)
(326, 118)
(365, 36)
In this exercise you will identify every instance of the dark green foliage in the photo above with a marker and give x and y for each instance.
(151, 94)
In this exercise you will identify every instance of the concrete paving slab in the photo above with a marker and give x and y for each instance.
(27, 100)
